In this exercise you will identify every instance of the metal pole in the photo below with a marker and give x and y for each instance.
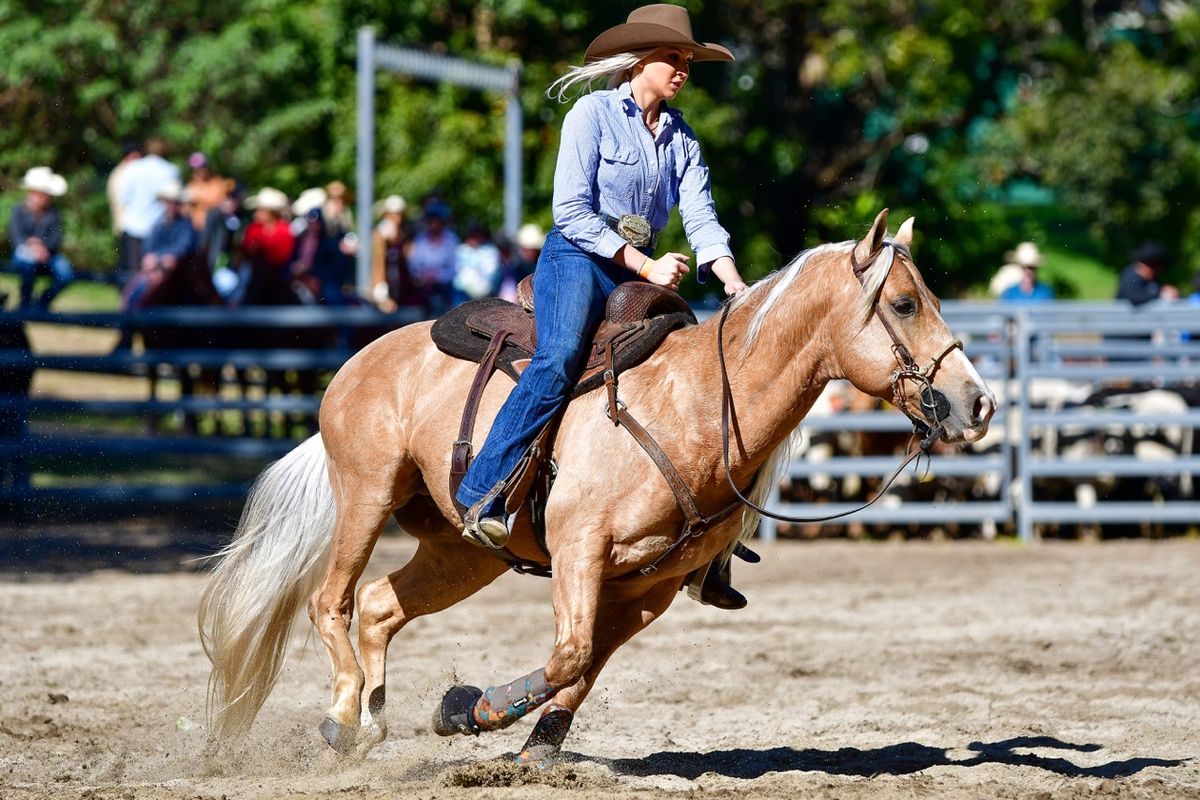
(1024, 331)
(512, 154)
(365, 156)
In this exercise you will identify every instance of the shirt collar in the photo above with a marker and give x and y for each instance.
(666, 117)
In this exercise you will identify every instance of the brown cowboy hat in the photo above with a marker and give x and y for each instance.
(659, 25)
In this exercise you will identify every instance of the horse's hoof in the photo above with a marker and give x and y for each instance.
(454, 714)
(340, 737)
(369, 736)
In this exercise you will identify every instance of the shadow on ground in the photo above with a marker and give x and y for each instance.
(130, 546)
(897, 759)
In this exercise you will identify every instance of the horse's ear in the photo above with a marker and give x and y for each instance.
(905, 234)
(865, 250)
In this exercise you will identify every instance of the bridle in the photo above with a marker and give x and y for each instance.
(934, 407)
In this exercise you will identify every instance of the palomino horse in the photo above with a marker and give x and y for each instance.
(387, 423)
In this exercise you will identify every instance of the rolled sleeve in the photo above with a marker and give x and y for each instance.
(709, 241)
(575, 190)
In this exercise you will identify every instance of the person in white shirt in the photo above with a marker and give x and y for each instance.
(141, 208)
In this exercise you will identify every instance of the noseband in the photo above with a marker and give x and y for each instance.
(933, 408)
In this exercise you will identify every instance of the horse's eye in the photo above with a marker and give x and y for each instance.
(904, 306)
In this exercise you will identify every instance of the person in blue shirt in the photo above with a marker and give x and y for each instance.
(171, 241)
(1026, 288)
(625, 159)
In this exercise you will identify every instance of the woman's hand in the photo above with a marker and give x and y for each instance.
(734, 287)
(725, 269)
(667, 271)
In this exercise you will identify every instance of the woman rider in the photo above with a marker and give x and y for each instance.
(625, 159)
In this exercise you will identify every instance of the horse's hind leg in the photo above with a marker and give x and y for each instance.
(443, 571)
(359, 522)
(617, 621)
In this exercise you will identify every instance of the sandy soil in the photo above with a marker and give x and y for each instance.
(859, 671)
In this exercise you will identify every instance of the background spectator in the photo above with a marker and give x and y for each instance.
(36, 231)
(1027, 288)
(140, 206)
(476, 266)
(1139, 281)
(320, 269)
(392, 284)
(308, 200)
(339, 219)
(171, 241)
(267, 251)
(432, 256)
(220, 238)
(131, 152)
(529, 241)
(205, 190)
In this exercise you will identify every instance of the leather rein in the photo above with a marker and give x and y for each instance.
(928, 426)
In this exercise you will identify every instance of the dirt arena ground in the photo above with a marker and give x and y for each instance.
(858, 671)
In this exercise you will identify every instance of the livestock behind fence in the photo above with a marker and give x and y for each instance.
(1099, 406)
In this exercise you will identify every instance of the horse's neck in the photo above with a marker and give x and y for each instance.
(777, 379)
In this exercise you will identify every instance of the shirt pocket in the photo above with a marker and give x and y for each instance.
(618, 153)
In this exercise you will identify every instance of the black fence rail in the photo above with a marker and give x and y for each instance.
(256, 373)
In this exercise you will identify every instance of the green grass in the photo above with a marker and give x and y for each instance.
(1077, 275)
(79, 296)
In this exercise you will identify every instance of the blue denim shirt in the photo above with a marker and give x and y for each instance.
(609, 163)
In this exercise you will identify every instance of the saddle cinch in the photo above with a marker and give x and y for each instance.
(501, 335)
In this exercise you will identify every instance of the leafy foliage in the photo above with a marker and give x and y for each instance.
(940, 108)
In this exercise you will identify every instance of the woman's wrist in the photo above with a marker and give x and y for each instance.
(644, 269)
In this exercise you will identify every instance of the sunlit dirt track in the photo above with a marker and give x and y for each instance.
(859, 670)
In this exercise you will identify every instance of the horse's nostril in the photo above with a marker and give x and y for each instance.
(982, 409)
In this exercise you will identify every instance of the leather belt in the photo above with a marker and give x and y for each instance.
(634, 229)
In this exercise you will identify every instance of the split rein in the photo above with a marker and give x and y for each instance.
(934, 406)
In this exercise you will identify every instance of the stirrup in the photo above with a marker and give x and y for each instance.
(489, 532)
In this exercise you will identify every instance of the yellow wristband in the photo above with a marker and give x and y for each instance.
(642, 271)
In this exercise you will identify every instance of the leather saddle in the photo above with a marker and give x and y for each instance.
(501, 335)
(638, 316)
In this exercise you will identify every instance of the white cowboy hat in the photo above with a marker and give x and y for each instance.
(1026, 254)
(268, 198)
(392, 204)
(173, 191)
(530, 236)
(308, 200)
(46, 180)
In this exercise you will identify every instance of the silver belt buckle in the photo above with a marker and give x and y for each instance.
(634, 229)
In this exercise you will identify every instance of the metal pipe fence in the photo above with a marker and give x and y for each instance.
(1050, 365)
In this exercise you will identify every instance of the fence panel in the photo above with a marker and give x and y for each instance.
(1061, 373)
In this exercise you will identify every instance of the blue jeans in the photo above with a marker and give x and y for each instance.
(569, 291)
(59, 268)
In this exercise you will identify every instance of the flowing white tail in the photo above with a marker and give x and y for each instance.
(274, 563)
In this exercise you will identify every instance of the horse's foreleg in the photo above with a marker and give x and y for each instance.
(443, 571)
(578, 570)
(616, 623)
(331, 608)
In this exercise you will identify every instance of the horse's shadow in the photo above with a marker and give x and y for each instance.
(897, 759)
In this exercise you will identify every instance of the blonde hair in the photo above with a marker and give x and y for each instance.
(613, 69)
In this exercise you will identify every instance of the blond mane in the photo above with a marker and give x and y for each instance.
(775, 285)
